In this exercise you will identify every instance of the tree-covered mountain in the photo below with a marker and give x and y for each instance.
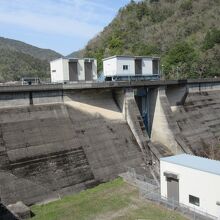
(185, 33)
(14, 45)
(18, 59)
(77, 54)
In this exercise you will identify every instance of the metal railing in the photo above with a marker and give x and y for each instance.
(150, 191)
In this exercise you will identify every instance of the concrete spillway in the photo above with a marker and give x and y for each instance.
(50, 150)
(199, 122)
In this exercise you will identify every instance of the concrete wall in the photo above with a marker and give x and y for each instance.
(14, 99)
(51, 97)
(152, 151)
(50, 150)
(203, 87)
(196, 183)
(8, 100)
(176, 94)
(164, 127)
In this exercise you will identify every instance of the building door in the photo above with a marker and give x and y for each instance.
(88, 71)
(138, 67)
(173, 189)
(155, 67)
(73, 71)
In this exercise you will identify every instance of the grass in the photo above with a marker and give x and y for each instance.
(114, 200)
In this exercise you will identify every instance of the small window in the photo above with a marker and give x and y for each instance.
(53, 71)
(194, 200)
(125, 67)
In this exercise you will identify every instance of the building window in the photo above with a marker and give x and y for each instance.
(194, 200)
(125, 67)
(53, 71)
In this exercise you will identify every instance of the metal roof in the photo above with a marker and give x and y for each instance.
(132, 57)
(195, 162)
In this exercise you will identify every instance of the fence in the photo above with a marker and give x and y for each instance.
(150, 191)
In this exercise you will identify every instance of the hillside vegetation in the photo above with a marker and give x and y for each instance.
(18, 59)
(14, 45)
(185, 33)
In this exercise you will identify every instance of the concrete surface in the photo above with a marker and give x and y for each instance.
(60, 139)
(6, 214)
(47, 151)
(164, 129)
(20, 210)
(199, 122)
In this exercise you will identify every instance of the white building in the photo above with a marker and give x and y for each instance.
(73, 70)
(131, 66)
(192, 181)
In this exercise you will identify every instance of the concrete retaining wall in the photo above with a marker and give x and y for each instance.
(176, 94)
(50, 97)
(14, 99)
(164, 129)
(202, 87)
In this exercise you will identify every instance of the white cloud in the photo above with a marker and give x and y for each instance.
(83, 18)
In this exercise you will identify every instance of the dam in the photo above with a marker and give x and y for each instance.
(60, 139)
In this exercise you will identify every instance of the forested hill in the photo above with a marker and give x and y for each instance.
(19, 46)
(18, 59)
(185, 33)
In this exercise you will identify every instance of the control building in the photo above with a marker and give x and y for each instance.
(123, 67)
(192, 181)
(65, 70)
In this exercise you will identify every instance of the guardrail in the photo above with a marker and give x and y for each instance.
(102, 85)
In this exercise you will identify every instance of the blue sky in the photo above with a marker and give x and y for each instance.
(61, 25)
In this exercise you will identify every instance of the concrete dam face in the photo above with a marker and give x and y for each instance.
(199, 122)
(55, 142)
(50, 150)
(187, 119)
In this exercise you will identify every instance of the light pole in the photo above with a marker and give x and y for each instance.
(162, 76)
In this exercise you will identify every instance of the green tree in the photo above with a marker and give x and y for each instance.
(179, 60)
(212, 37)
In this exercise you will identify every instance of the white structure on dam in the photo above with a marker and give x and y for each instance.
(192, 181)
(131, 66)
(73, 70)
